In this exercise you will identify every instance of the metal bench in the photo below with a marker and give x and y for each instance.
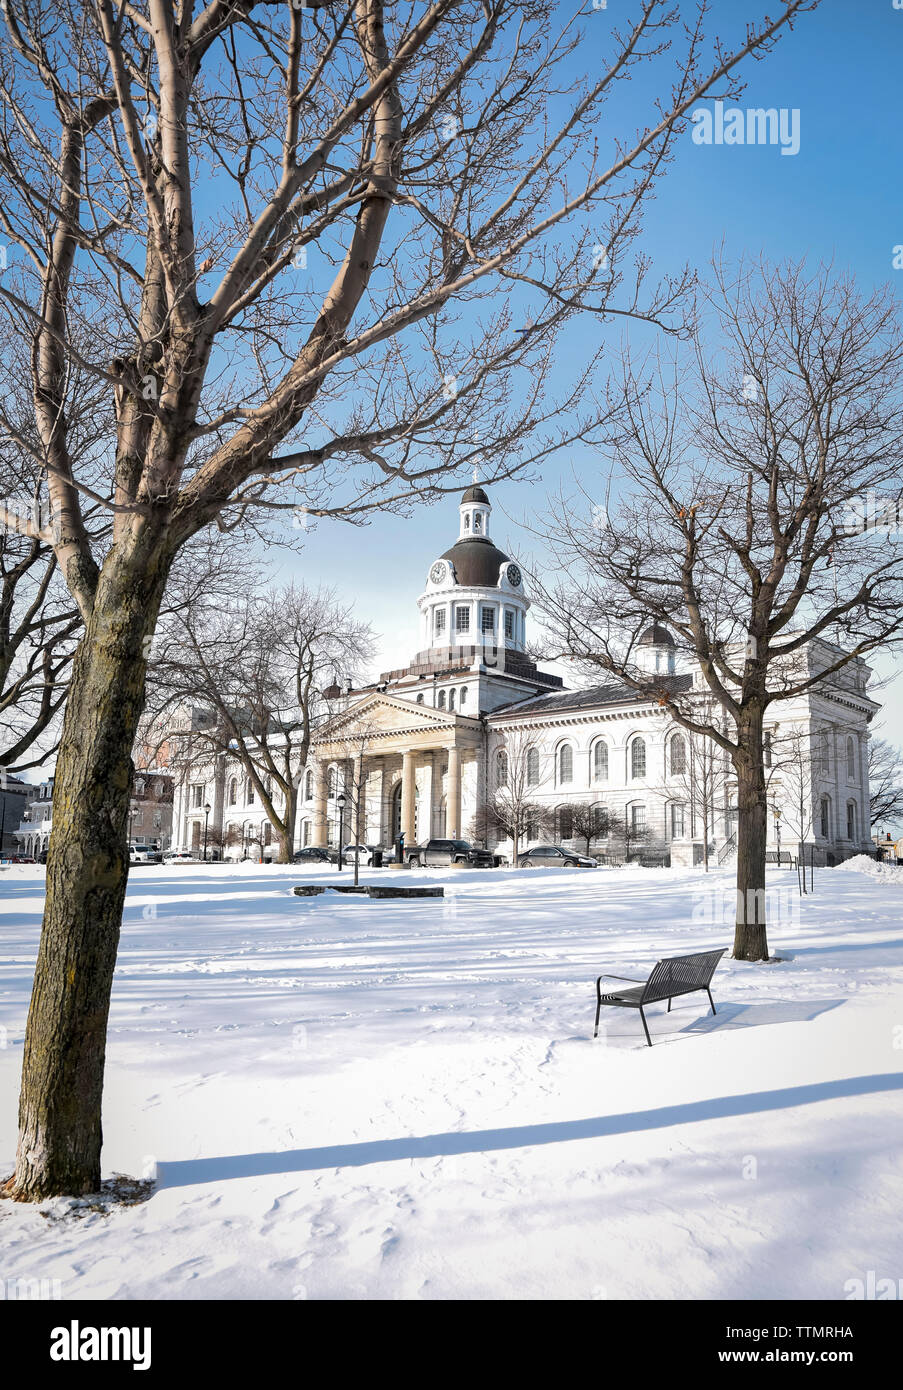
(669, 978)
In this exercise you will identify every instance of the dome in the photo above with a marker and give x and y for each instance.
(477, 561)
(657, 636)
(475, 494)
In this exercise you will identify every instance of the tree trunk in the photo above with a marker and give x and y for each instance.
(287, 836)
(87, 871)
(750, 938)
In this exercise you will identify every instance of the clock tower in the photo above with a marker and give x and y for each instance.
(473, 626)
(475, 597)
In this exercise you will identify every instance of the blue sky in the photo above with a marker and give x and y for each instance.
(838, 199)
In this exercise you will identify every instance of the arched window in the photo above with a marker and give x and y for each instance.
(678, 755)
(250, 797)
(851, 760)
(851, 820)
(308, 786)
(565, 763)
(233, 792)
(600, 761)
(420, 698)
(638, 758)
(305, 833)
(451, 698)
(826, 817)
(824, 753)
(440, 700)
(532, 767)
(330, 783)
(601, 823)
(462, 697)
(565, 823)
(501, 768)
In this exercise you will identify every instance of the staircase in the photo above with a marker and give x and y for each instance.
(727, 850)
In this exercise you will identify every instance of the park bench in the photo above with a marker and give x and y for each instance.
(772, 856)
(669, 978)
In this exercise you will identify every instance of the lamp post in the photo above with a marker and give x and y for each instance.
(206, 818)
(132, 809)
(340, 802)
(777, 831)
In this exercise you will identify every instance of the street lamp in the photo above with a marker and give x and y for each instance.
(777, 831)
(340, 802)
(207, 809)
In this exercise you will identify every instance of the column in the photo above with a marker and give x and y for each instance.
(318, 826)
(453, 795)
(865, 809)
(408, 793)
(358, 801)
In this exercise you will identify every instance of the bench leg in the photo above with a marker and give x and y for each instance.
(669, 1006)
(598, 1011)
(645, 1026)
(711, 1001)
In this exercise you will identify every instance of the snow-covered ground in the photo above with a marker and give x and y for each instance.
(358, 1099)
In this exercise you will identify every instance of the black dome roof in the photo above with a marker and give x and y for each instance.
(477, 561)
(475, 494)
(657, 636)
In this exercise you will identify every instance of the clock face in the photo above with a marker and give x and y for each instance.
(437, 573)
(514, 576)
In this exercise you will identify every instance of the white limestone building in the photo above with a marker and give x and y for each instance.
(429, 743)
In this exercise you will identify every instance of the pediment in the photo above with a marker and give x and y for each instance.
(382, 714)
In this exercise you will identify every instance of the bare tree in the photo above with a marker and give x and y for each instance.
(259, 666)
(742, 525)
(885, 765)
(253, 224)
(791, 780)
(39, 621)
(590, 822)
(701, 774)
(511, 809)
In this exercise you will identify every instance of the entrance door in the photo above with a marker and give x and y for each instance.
(396, 814)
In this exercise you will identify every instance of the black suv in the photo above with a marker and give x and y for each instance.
(441, 853)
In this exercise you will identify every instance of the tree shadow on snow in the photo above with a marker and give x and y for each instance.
(192, 1171)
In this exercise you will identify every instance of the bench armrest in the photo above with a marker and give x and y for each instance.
(630, 978)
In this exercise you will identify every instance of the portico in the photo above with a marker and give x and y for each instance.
(403, 767)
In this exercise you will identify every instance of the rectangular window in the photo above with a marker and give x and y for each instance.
(462, 619)
(487, 620)
(439, 620)
(677, 822)
(509, 623)
(638, 817)
(197, 794)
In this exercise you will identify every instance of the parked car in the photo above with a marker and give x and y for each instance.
(313, 854)
(18, 859)
(144, 854)
(440, 853)
(180, 856)
(362, 853)
(554, 857)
